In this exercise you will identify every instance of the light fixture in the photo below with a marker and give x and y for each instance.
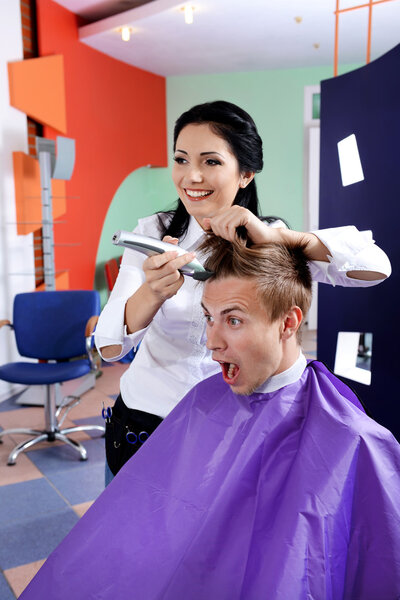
(126, 33)
(188, 10)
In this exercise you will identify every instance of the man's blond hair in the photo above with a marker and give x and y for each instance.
(280, 271)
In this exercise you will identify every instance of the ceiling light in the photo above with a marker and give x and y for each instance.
(126, 33)
(188, 10)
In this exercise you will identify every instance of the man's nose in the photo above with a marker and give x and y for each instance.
(215, 339)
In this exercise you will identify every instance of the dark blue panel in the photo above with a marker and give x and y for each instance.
(365, 102)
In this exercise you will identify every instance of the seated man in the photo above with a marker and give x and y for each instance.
(268, 481)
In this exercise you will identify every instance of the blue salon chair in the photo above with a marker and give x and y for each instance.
(54, 328)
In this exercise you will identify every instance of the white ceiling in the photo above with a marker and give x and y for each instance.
(235, 35)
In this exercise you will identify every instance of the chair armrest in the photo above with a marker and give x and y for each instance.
(89, 329)
(90, 325)
(4, 322)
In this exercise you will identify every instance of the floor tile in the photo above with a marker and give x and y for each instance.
(31, 417)
(64, 458)
(23, 470)
(80, 509)
(5, 590)
(34, 539)
(109, 381)
(90, 405)
(80, 485)
(28, 500)
(19, 577)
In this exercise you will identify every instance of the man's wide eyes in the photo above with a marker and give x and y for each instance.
(234, 321)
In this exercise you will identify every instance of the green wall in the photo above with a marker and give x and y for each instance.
(142, 193)
(275, 101)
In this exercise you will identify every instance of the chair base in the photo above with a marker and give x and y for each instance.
(49, 436)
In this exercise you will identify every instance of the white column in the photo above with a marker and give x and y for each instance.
(16, 252)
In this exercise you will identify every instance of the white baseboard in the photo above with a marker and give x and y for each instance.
(12, 391)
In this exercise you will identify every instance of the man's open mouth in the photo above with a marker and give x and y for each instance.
(230, 372)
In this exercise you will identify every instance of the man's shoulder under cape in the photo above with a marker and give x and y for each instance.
(291, 494)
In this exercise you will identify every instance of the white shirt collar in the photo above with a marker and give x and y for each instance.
(291, 375)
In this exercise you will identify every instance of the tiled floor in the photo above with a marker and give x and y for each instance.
(49, 488)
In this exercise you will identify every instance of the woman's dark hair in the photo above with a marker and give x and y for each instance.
(238, 129)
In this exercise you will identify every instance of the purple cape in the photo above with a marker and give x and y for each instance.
(288, 495)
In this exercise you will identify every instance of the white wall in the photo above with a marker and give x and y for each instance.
(16, 252)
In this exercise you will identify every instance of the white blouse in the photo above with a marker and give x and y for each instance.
(172, 357)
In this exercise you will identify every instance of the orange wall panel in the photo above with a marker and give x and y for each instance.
(62, 282)
(37, 88)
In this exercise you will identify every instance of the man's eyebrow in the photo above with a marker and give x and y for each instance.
(232, 309)
(226, 310)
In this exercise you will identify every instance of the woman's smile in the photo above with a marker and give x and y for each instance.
(198, 194)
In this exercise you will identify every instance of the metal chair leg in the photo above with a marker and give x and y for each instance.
(12, 457)
(18, 431)
(51, 432)
(75, 445)
(83, 428)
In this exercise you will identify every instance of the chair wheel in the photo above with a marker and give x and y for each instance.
(83, 458)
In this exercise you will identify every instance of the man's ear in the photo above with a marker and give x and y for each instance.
(291, 322)
(245, 178)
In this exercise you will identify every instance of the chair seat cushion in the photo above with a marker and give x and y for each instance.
(43, 373)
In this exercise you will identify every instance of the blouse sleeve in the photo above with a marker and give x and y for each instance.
(111, 328)
(349, 250)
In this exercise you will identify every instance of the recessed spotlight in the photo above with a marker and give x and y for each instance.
(126, 33)
(188, 12)
(316, 46)
(298, 19)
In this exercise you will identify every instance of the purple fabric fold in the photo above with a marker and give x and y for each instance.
(288, 495)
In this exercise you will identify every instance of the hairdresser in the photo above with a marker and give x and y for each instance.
(217, 151)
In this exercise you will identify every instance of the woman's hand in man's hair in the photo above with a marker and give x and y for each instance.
(225, 223)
